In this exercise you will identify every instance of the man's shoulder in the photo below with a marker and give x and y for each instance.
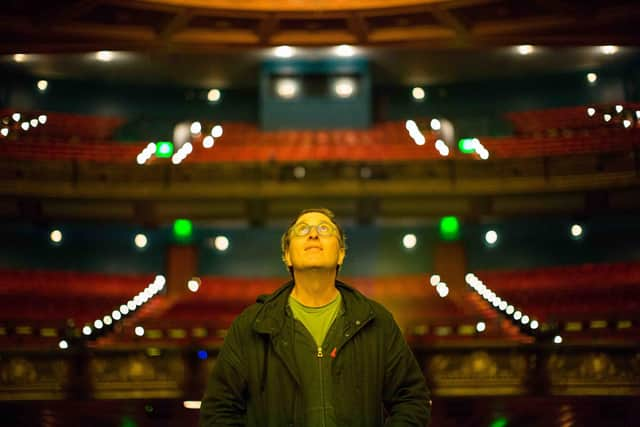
(377, 309)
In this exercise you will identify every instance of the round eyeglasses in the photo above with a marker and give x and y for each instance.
(323, 229)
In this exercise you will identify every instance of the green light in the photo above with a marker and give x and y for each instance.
(164, 149)
(182, 229)
(500, 422)
(467, 145)
(128, 422)
(449, 228)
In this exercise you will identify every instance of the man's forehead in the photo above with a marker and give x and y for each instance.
(313, 217)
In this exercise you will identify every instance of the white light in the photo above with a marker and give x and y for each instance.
(140, 240)
(24, 126)
(16, 117)
(137, 300)
(86, 330)
(469, 277)
(151, 147)
(525, 49)
(208, 141)
(344, 50)
(638, 114)
(619, 108)
(576, 230)
(196, 128)
(510, 309)
(517, 315)
(160, 280)
(607, 117)
(98, 324)
(4, 131)
(503, 305)
(299, 172)
(483, 153)
(491, 237)
(435, 124)
(411, 126)
(55, 236)
(193, 285)
(626, 123)
(557, 339)
(442, 289)
(287, 88)
(141, 158)
(104, 55)
(63, 344)
(139, 330)
(216, 131)
(116, 315)
(409, 241)
(191, 404)
(591, 111)
(19, 57)
(419, 138)
(176, 159)
(525, 319)
(187, 147)
(214, 95)
(434, 279)
(124, 309)
(33, 123)
(609, 49)
(534, 324)
(481, 326)
(418, 93)
(283, 51)
(107, 320)
(221, 243)
(592, 77)
(344, 87)
(42, 85)
(42, 118)
(131, 305)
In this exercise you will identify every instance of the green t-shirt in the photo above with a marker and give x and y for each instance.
(317, 320)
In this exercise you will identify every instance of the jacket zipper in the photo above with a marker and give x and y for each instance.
(324, 413)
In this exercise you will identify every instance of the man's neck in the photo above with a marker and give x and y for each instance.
(314, 288)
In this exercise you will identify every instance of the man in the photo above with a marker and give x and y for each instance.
(316, 352)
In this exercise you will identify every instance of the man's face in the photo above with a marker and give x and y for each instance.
(315, 249)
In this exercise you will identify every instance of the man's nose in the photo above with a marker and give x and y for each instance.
(313, 233)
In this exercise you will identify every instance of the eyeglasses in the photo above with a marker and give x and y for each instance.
(323, 229)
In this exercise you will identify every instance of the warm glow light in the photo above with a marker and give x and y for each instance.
(214, 95)
(24, 126)
(435, 124)
(557, 339)
(592, 77)
(104, 55)
(42, 85)
(56, 236)
(42, 118)
(344, 50)
(591, 111)
(609, 49)
(191, 404)
(196, 128)
(193, 285)
(517, 315)
(4, 131)
(287, 88)
(626, 123)
(16, 117)
(442, 289)
(434, 280)
(216, 131)
(491, 237)
(525, 49)
(116, 315)
(107, 320)
(139, 331)
(283, 51)
(86, 330)
(19, 57)
(208, 141)
(619, 108)
(33, 123)
(607, 117)
(409, 241)
(63, 344)
(221, 243)
(481, 326)
(418, 93)
(344, 87)
(140, 240)
(98, 324)
(576, 230)
(534, 324)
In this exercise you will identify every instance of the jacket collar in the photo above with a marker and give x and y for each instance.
(272, 315)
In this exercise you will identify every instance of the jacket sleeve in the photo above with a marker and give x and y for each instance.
(224, 401)
(405, 392)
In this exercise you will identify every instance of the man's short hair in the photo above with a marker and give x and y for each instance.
(286, 236)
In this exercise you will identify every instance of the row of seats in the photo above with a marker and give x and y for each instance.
(384, 142)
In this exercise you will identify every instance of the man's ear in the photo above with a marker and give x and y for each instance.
(287, 258)
(341, 254)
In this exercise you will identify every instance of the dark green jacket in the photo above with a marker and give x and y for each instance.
(256, 379)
